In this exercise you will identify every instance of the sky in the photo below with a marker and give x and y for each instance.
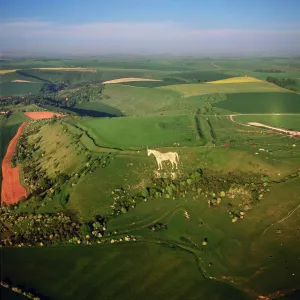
(179, 27)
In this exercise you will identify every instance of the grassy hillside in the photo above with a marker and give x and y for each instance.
(127, 132)
(113, 272)
(207, 88)
(96, 109)
(201, 76)
(138, 100)
(261, 103)
(58, 150)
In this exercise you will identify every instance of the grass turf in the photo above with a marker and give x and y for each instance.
(128, 132)
(250, 103)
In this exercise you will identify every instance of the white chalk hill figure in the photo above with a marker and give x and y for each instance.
(172, 157)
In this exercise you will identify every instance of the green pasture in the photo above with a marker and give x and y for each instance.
(201, 76)
(137, 132)
(188, 90)
(251, 103)
(18, 88)
(138, 100)
(229, 251)
(96, 109)
(93, 194)
(125, 271)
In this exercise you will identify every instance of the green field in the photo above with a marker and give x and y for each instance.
(18, 88)
(113, 272)
(188, 90)
(138, 100)
(96, 109)
(250, 103)
(158, 131)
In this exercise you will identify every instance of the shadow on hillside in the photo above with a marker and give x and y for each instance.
(91, 113)
(32, 76)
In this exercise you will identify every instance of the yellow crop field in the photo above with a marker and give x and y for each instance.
(241, 79)
(2, 72)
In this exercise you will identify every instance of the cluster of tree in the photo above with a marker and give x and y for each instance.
(86, 94)
(211, 184)
(98, 227)
(49, 94)
(158, 227)
(14, 100)
(30, 229)
(282, 82)
(211, 130)
(6, 284)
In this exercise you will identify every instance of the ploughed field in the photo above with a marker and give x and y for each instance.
(222, 226)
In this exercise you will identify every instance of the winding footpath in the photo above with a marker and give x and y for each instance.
(12, 191)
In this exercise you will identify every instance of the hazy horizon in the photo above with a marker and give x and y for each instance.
(177, 27)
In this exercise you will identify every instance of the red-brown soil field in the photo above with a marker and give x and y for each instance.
(38, 115)
(12, 190)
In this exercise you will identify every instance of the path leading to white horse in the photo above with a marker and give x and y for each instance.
(256, 124)
(290, 132)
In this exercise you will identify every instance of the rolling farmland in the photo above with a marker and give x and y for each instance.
(102, 222)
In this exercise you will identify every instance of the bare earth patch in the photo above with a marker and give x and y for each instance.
(19, 80)
(129, 79)
(12, 190)
(38, 115)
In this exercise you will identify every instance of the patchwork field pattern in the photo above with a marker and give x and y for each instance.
(224, 225)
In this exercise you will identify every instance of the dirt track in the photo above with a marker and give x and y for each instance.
(256, 124)
(12, 190)
(290, 132)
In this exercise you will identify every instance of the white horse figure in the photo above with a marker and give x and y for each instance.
(172, 157)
